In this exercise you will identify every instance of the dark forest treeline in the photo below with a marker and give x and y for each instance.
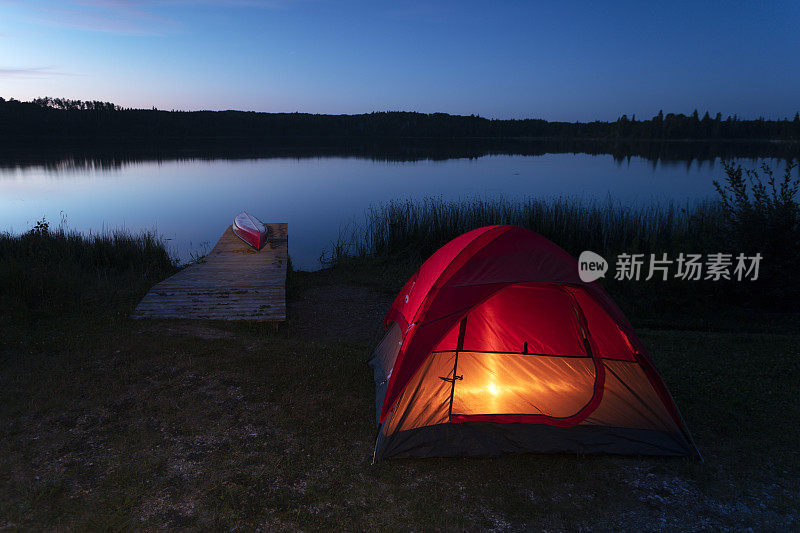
(79, 154)
(56, 118)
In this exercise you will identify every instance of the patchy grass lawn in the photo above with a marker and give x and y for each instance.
(110, 423)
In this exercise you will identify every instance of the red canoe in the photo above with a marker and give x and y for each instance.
(250, 230)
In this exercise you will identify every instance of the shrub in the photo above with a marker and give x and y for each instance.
(761, 214)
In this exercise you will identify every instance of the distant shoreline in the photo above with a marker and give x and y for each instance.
(48, 129)
(22, 152)
(133, 140)
(72, 120)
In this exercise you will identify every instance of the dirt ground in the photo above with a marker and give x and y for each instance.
(347, 313)
(124, 424)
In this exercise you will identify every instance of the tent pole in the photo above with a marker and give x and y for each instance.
(459, 347)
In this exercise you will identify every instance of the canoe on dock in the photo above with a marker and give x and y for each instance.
(233, 282)
(250, 230)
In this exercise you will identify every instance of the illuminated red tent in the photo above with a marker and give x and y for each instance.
(496, 346)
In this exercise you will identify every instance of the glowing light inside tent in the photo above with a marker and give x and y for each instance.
(504, 383)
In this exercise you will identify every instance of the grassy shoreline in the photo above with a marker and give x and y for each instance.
(607, 227)
(50, 271)
(402, 234)
(111, 423)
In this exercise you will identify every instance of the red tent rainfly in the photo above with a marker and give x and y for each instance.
(496, 346)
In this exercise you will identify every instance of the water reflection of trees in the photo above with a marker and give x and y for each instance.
(66, 157)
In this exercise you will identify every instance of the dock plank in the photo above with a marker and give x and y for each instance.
(232, 282)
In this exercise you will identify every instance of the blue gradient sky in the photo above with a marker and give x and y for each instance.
(581, 61)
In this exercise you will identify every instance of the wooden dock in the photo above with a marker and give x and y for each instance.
(233, 282)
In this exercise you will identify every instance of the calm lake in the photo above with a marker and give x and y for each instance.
(191, 202)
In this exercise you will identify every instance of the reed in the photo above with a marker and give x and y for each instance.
(46, 271)
(417, 228)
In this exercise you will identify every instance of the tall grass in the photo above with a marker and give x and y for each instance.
(420, 227)
(405, 233)
(46, 272)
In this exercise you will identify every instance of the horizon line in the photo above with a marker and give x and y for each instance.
(632, 116)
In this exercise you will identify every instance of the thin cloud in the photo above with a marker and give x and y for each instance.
(266, 4)
(127, 17)
(107, 17)
(31, 72)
